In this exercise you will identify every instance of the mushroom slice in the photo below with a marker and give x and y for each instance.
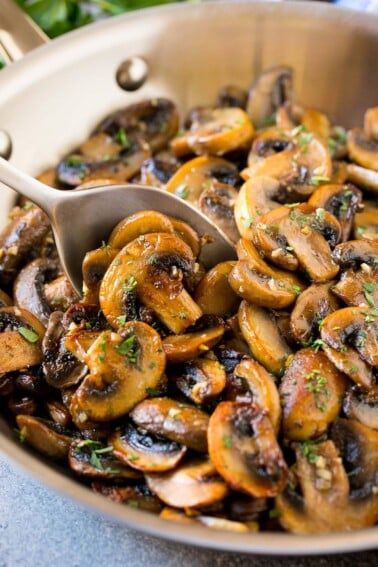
(21, 335)
(47, 437)
(263, 337)
(154, 120)
(100, 146)
(272, 89)
(311, 393)
(298, 171)
(365, 224)
(144, 451)
(23, 235)
(92, 459)
(139, 224)
(58, 412)
(29, 285)
(226, 130)
(193, 484)
(217, 203)
(60, 294)
(358, 287)
(362, 405)
(256, 197)
(313, 304)
(308, 232)
(269, 142)
(244, 449)
(181, 348)
(364, 178)
(358, 447)
(342, 201)
(95, 264)
(196, 174)
(354, 253)
(214, 294)
(325, 505)
(201, 380)
(250, 382)
(158, 170)
(257, 282)
(350, 338)
(61, 368)
(137, 496)
(363, 144)
(175, 421)
(316, 122)
(153, 267)
(122, 370)
(232, 96)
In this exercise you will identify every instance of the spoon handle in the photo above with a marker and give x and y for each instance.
(41, 194)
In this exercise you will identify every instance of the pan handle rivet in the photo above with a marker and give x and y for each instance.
(132, 73)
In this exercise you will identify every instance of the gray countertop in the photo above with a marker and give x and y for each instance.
(39, 528)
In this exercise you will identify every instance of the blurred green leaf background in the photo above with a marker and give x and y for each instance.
(56, 17)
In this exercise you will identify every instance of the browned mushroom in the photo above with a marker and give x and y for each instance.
(263, 337)
(217, 203)
(363, 144)
(272, 89)
(312, 305)
(203, 486)
(311, 395)
(5, 299)
(95, 264)
(136, 496)
(365, 223)
(173, 420)
(21, 334)
(122, 370)
(47, 437)
(350, 338)
(23, 235)
(244, 449)
(214, 294)
(232, 96)
(201, 380)
(157, 170)
(92, 459)
(144, 451)
(362, 405)
(181, 348)
(365, 178)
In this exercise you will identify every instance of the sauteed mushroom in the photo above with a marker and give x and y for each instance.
(201, 380)
(362, 405)
(217, 203)
(272, 89)
(243, 448)
(92, 459)
(47, 437)
(363, 144)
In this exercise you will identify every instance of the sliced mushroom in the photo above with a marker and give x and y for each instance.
(365, 224)
(60, 294)
(144, 451)
(263, 337)
(363, 144)
(350, 338)
(362, 405)
(312, 305)
(154, 120)
(94, 266)
(153, 266)
(311, 395)
(260, 284)
(24, 405)
(308, 232)
(196, 174)
(269, 142)
(250, 382)
(58, 412)
(217, 203)
(139, 224)
(201, 380)
(94, 460)
(61, 368)
(23, 235)
(181, 423)
(365, 178)
(122, 370)
(47, 437)
(358, 447)
(137, 496)
(21, 334)
(342, 201)
(193, 484)
(316, 122)
(354, 253)
(158, 170)
(214, 294)
(324, 505)
(244, 449)
(272, 89)
(181, 348)
(358, 287)
(232, 96)
(29, 292)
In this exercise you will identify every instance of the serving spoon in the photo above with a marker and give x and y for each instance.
(82, 219)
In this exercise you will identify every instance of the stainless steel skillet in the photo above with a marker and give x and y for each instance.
(50, 101)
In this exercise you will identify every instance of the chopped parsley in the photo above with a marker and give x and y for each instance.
(182, 191)
(129, 349)
(122, 139)
(28, 334)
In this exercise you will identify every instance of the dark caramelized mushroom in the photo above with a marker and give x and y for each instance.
(203, 486)
(143, 451)
(178, 422)
(181, 348)
(272, 89)
(94, 460)
(217, 203)
(244, 449)
(214, 294)
(201, 380)
(362, 405)
(138, 496)
(232, 96)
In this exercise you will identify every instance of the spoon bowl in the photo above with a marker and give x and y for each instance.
(82, 219)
